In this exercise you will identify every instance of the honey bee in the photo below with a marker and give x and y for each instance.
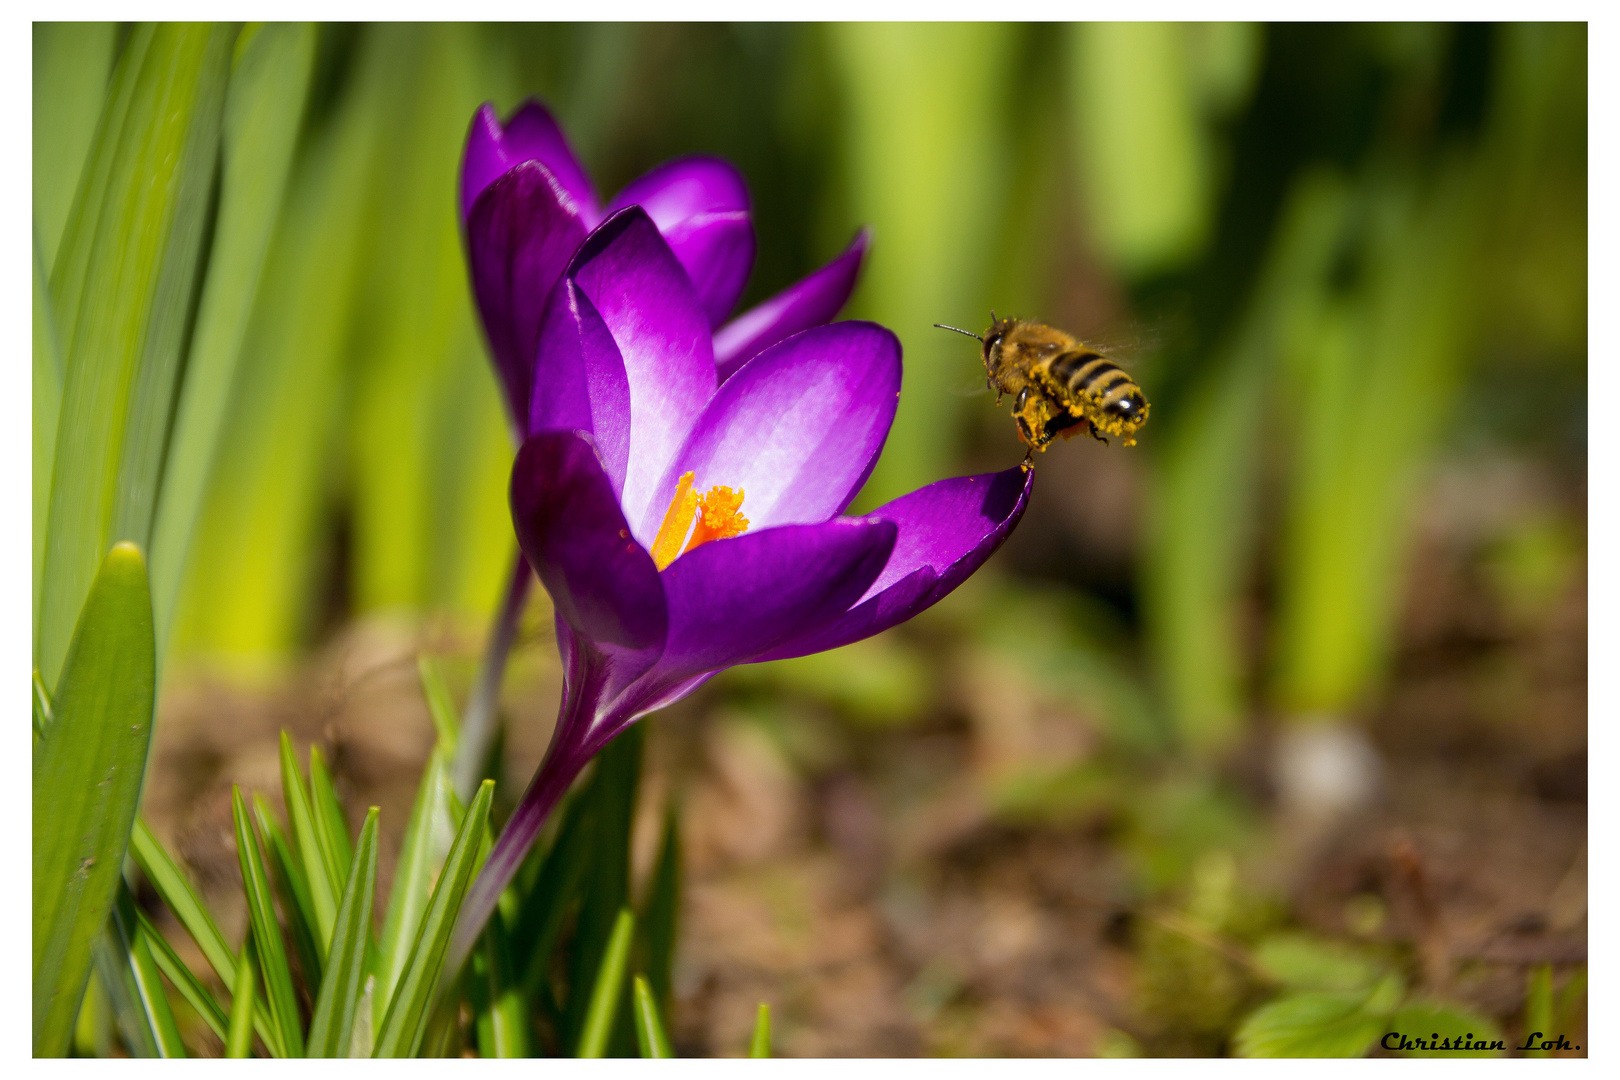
(1060, 383)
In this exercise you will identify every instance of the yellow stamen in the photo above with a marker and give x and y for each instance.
(720, 518)
(717, 518)
(677, 520)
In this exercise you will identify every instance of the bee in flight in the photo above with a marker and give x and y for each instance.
(1060, 383)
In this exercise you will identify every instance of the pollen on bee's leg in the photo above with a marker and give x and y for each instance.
(719, 517)
(677, 521)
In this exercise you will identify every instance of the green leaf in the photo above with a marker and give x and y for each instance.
(330, 1030)
(171, 884)
(1304, 962)
(657, 928)
(71, 63)
(198, 996)
(441, 706)
(607, 988)
(239, 1041)
(123, 1000)
(760, 1045)
(264, 107)
(319, 870)
(144, 978)
(333, 828)
(403, 1026)
(1310, 1025)
(47, 399)
(122, 292)
(86, 783)
(499, 1004)
(267, 942)
(292, 888)
(1443, 1025)
(42, 707)
(428, 834)
(650, 1036)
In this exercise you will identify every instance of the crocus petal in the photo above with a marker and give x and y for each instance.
(521, 230)
(647, 304)
(810, 302)
(572, 532)
(579, 380)
(946, 531)
(717, 251)
(701, 206)
(731, 600)
(800, 427)
(530, 135)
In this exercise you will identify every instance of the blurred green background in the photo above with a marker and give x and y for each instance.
(1339, 259)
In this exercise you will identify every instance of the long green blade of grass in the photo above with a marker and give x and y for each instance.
(86, 783)
(145, 980)
(410, 1008)
(71, 63)
(47, 402)
(319, 871)
(267, 941)
(650, 1035)
(339, 996)
(292, 888)
(263, 111)
(239, 1040)
(122, 298)
(175, 889)
(332, 830)
(198, 996)
(760, 1045)
(499, 1004)
(428, 834)
(607, 988)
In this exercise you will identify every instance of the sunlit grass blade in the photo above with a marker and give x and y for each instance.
(198, 996)
(47, 402)
(339, 996)
(650, 1035)
(264, 107)
(239, 1039)
(760, 1045)
(428, 834)
(408, 1012)
(292, 887)
(499, 1004)
(124, 333)
(123, 1001)
(441, 706)
(278, 984)
(144, 978)
(71, 62)
(607, 988)
(175, 889)
(319, 871)
(657, 928)
(333, 828)
(42, 707)
(86, 782)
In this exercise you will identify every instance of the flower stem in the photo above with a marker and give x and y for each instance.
(478, 721)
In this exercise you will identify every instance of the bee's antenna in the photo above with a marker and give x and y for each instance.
(959, 330)
(993, 319)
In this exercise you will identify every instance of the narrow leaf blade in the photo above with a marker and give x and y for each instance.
(267, 941)
(608, 988)
(650, 1036)
(239, 1040)
(318, 872)
(330, 1030)
(198, 996)
(760, 1045)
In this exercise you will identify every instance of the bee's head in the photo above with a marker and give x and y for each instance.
(992, 342)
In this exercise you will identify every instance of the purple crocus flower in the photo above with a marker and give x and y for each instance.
(527, 203)
(684, 523)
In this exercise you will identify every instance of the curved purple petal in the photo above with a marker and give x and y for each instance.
(717, 251)
(521, 230)
(572, 532)
(579, 380)
(946, 531)
(529, 135)
(701, 206)
(731, 600)
(810, 302)
(646, 302)
(799, 428)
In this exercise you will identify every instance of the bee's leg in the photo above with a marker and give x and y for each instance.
(1098, 436)
(1028, 464)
